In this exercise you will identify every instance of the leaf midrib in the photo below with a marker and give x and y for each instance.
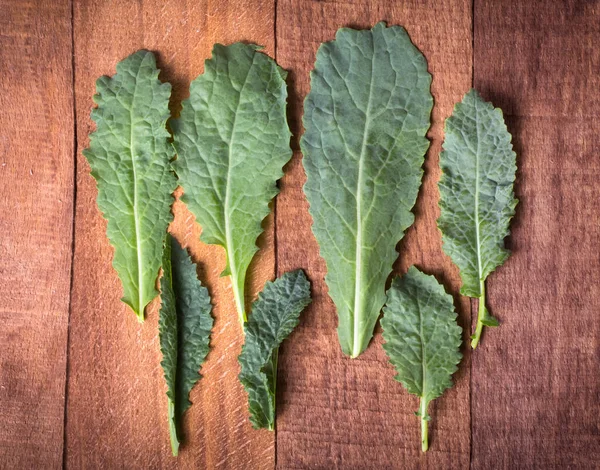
(356, 347)
(423, 357)
(476, 215)
(138, 245)
(228, 236)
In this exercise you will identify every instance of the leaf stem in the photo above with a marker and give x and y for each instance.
(480, 316)
(239, 301)
(173, 429)
(274, 359)
(424, 427)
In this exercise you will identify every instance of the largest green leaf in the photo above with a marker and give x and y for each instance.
(476, 195)
(232, 141)
(365, 117)
(129, 154)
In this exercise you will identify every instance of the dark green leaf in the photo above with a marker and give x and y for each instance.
(275, 314)
(184, 327)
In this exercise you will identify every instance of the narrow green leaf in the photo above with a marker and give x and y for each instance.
(366, 118)
(422, 338)
(275, 314)
(129, 155)
(232, 141)
(476, 195)
(184, 328)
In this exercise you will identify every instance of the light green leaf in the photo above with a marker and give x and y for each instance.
(184, 329)
(129, 155)
(476, 195)
(422, 338)
(275, 314)
(366, 118)
(232, 141)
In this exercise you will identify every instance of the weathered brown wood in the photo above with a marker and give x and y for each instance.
(536, 388)
(335, 412)
(36, 209)
(117, 415)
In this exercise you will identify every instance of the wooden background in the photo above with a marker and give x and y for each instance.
(80, 381)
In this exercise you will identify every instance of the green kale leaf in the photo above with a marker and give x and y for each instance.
(130, 159)
(366, 118)
(275, 314)
(477, 200)
(422, 338)
(232, 140)
(184, 325)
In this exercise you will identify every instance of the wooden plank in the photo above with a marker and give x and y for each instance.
(36, 209)
(117, 415)
(335, 412)
(535, 391)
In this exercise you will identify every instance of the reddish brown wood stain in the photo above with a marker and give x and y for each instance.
(528, 398)
(36, 223)
(536, 387)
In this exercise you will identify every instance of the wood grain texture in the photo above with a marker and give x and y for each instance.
(536, 393)
(335, 412)
(117, 409)
(534, 382)
(36, 209)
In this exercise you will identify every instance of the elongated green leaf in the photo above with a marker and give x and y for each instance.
(275, 314)
(476, 195)
(184, 328)
(365, 117)
(232, 141)
(129, 155)
(422, 338)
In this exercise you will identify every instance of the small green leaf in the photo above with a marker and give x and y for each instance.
(232, 141)
(486, 319)
(129, 155)
(422, 338)
(275, 314)
(477, 199)
(366, 119)
(184, 326)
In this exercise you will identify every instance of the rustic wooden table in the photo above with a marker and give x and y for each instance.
(80, 381)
